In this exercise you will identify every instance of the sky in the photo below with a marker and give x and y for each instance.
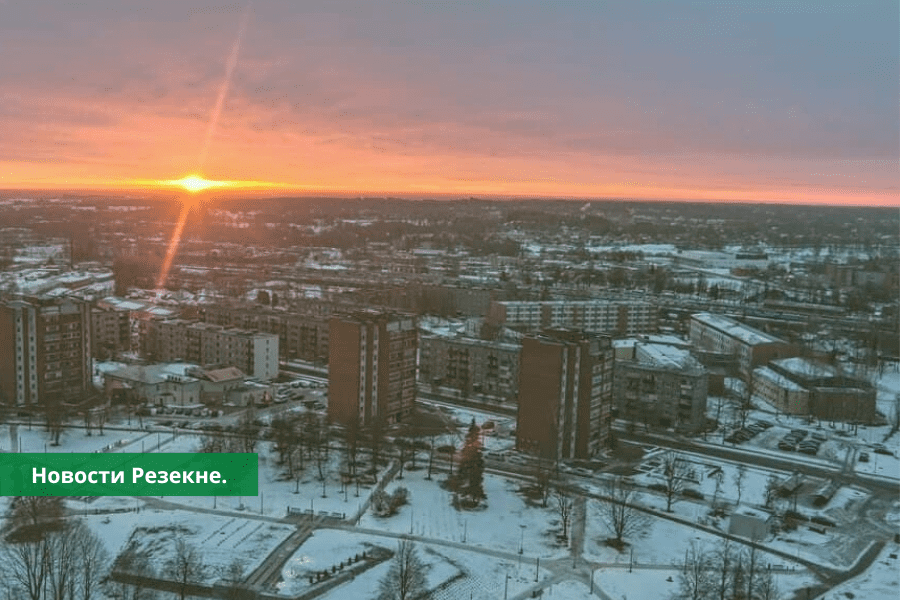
(750, 100)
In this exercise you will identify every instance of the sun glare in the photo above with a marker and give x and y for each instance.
(196, 183)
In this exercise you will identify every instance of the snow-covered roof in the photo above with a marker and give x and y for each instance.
(744, 333)
(778, 379)
(805, 367)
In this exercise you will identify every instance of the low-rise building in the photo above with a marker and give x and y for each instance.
(661, 386)
(110, 330)
(183, 384)
(301, 335)
(471, 366)
(619, 317)
(806, 387)
(253, 352)
(751, 347)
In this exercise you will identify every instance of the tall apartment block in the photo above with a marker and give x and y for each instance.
(372, 367)
(607, 316)
(565, 394)
(45, 347)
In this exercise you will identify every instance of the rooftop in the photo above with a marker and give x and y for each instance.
(744, 333)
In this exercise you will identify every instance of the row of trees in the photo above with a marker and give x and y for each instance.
(725, 572)
(44, 557)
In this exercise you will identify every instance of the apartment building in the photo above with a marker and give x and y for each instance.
(801, 386)
(661, 386)
(253, 352)
(618, 317)
(372, 367)
(471, 366)
(301, 335)
(565, 394)
(749, 346)
(44, 351)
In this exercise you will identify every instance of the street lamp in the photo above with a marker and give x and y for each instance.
(506, 587)
(592, 579)
(522, 539)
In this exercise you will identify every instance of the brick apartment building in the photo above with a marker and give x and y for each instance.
(565, 394)
(372, 367)
(44, 351)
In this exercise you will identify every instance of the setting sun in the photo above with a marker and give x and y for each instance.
(196, 183)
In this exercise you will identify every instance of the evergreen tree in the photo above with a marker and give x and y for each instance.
(469, 481)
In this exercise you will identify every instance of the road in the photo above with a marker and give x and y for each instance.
(769, 461)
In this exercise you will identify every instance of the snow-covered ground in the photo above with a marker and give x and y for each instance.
(222, 539)
(880, 582)
(451, 572)
(506, 523)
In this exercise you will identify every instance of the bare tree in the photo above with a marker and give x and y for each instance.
(564, 506)
(543, 476)
(136, 563)
(352, 434)
(406, 579)
(61, 573)
(751, 571)
(234, 588)
(766, 588)
(55, 418)
(404, 450)
(739, 476)
(248, 430)
(618, 513)
(723, 564)
(91, 559)
(430, 457)
(674, 476)
(26, 565)
(695, 579)
(719, 479)
(770, 492)
(375, 438)
(186, 567)
(33, 510)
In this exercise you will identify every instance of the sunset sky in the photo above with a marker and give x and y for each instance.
(759, 100)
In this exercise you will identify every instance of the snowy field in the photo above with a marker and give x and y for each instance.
(880, 582)
(222, 539)
(506, 523)
(452, 573)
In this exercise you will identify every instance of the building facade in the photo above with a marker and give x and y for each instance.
(253, 352)
(662, 386)
(372, 367)
(750, 346)
(805, 387)
(110, 331)
(565, 394)
(301, 335)
(470, 366)
(44, 351)
(606, 316)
